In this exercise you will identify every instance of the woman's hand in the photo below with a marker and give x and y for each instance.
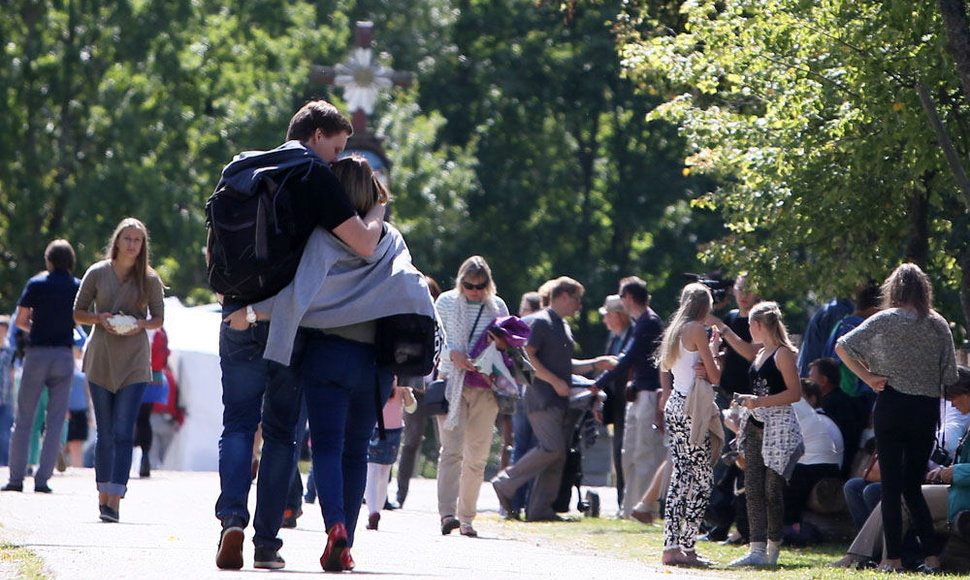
(877, 382)
(714, 322)
(462, 361)
(747, 401)
(103, 318)
(700, 371)
(499, 340)
(237, 320)
(940, 475)
(715, 342)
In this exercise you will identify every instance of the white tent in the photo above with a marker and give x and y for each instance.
(193, 338)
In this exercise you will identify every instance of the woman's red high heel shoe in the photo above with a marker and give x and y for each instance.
(333, 556)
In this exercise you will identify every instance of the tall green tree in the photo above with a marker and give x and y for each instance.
(809, 117)
(572, 178)
(132, 108)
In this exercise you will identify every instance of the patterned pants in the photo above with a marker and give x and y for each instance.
(764, 488)
(690, 481)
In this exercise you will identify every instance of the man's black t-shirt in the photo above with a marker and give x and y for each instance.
(734, 376)
(317, 199)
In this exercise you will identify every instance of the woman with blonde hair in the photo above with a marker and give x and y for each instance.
(466, 312)
(684, 345)
(769, 436)
(127, 299)
(905, 353)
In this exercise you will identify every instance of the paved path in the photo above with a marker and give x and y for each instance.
(168, 530)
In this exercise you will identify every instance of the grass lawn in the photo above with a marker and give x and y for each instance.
(634, 541)
(17, 562)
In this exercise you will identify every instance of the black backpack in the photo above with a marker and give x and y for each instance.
(252, 244)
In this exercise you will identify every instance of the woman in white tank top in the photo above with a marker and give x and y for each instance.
(685, 344)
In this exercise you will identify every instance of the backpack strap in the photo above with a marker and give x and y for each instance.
(381, 431)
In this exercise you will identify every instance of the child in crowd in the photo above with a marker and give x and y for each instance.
(77, 412)
(382, 453)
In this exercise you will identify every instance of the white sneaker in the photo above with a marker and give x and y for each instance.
(751, 559)
(774, 549)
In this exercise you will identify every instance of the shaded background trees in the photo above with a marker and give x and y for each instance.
(594, 139)
(521, 140)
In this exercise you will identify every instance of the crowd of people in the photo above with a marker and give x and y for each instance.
(719, 421)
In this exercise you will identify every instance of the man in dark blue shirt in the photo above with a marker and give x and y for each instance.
(45, 311)
(643, 449)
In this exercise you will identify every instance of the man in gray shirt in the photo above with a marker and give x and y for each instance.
(546, 401)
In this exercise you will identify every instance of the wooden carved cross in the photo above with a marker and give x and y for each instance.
(361, 77)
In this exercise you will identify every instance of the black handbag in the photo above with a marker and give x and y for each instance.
(435, 401)
(405, 344)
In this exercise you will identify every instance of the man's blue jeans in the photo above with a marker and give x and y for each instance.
(254, 389)
(115, 415)
(344, 392)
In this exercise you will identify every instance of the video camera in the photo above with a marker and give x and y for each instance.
(719, 288)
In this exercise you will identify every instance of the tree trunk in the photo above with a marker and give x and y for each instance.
(964, 295)
(918, 246)
(957, 25)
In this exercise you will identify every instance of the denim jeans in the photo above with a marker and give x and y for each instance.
(256, 390)
(344, 392)
(6, 424)
(115, 415)
(294, 498)
(861, 497)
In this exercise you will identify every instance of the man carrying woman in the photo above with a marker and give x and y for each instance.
(317, 134)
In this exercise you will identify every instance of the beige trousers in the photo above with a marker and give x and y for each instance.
(643, 448)
(464, 453)
(869, 541)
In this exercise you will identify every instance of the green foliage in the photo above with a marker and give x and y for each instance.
(574, 180)
(805, 114)
(520, 140)
(429, 187)
(132, 108)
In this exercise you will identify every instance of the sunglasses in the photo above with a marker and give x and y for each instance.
(470, 286)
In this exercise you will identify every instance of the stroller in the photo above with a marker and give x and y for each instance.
(580, 414)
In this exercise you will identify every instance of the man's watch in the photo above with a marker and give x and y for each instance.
(250, 314)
